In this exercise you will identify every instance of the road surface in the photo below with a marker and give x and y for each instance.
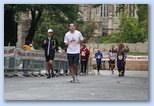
(134, 86)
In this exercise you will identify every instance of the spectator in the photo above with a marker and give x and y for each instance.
(84, 56)
(28, 46)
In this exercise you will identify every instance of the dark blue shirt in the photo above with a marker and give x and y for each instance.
(98, 57)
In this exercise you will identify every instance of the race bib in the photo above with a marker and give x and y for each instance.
(98, 56)
(72, 45)
(120, 57)
(83, 54)
(112, 58)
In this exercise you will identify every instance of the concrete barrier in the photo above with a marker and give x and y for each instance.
(134, 47)
(139, 63)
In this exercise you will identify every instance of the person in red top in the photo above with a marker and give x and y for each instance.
(84, 56)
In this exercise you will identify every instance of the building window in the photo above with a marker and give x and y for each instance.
(129, 10)
(96, 11)
(133, 10)
(107, 10)
(117, 10)
(104, 11)
(101, 10)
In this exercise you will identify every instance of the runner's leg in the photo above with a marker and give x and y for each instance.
(85, 67)
(48, 69)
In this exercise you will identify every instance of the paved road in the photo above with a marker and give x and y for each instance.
(134, 86)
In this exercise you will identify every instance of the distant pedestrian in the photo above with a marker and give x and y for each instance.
(126, 50)
(105, 54)
(84, 56)
(72, 39)
(49, 46)
(98, 56)
(113, 49)
(121, 59)
(112, 58)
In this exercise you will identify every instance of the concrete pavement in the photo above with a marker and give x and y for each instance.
(134, 86)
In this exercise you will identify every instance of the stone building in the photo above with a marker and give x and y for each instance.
(105, 16)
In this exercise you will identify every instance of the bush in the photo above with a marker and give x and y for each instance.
(87, 29)
(37, 41)
(113, 38)
(131, 32)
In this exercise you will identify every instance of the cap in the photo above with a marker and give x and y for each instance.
(50, 30)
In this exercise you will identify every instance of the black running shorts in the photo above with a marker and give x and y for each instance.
(73, 59)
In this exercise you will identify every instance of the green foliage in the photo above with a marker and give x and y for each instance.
(37, 43)
(55, 16)
(142, 12)
(87, 29)
(113, 38)
(58, 22)
(132, 29)
(129, 29)
(59, 31)
(143, 18)
(60, 27)
(135, 29)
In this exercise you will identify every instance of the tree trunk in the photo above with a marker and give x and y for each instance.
(10, 28)
(34, 23)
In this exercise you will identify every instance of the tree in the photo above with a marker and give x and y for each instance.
(135, 29)
(143, 19)
(87, 28)
(132, 29)
(58, 12)
(10, 28)
(58, 22)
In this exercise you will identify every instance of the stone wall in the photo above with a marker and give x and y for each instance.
(134, 47)
(137, 65)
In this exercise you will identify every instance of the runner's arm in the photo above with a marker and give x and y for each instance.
(66, 40)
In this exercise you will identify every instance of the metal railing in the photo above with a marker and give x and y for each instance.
(19, 60)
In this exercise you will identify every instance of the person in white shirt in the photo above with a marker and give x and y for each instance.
(112, 58)
(72, 39)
